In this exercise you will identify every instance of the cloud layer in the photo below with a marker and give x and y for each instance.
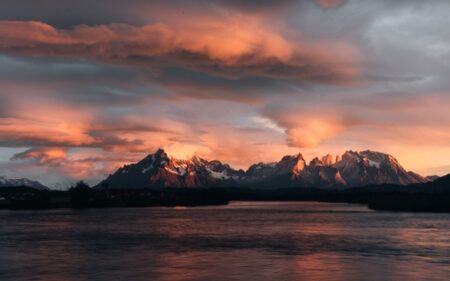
(86, 88)
(230, 47)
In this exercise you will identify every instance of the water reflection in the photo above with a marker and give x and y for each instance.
(243, 241)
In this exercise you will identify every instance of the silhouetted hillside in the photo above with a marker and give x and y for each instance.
(425, 197)
(82, 196)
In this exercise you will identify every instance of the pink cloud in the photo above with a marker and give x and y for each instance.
(233, 46)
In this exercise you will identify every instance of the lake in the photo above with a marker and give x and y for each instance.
(241, 241)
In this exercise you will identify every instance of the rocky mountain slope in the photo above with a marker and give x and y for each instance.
(351, 169)
(159, 170)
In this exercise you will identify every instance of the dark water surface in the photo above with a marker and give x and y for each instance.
(241, 241)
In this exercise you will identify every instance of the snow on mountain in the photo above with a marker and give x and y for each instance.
(5, 182)
(369, 167)
(351, 169)
(288, 166)
(159, 170)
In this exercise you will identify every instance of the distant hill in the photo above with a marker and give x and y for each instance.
(432, 178)
(425, 197)
(352, 169)
(442, 183)
(5, 182)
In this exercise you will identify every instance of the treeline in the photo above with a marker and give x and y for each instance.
(83, 196)
(380, 199)
(428, 197)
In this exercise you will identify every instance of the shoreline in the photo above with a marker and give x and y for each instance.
(25, 198)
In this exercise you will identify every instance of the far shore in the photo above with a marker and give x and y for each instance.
(26, 198)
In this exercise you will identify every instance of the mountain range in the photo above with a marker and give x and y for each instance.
(5, 182)
(352, 169)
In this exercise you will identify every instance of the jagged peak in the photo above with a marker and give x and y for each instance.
(361, 155)
(217, 162)
(350, 153)
(297, 157)
(328, 160)
(196, 158)
(295, 163)
(287, 158)
(355, 168)
(262, 165)
(348, 157)
(161, 152)
(374, 153)
(300, 164)
(315, 162)
(156, 159)
(379, 157)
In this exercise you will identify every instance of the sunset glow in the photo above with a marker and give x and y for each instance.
(237, 81)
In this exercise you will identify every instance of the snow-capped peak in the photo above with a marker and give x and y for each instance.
(21, 182)
(352, 169)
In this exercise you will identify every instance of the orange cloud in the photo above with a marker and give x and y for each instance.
(81, 164)
(240, 148)
(233, 46)
(307, 128)
(97, 158)
(43, 155)
(311, 132)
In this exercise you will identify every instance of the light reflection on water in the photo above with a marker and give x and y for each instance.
(241, 241)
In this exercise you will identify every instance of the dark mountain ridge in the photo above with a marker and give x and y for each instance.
(352, 169)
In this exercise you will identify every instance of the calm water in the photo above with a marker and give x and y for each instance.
(242, 241)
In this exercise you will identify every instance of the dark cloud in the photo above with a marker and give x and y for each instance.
(258, 5)
(107, 95)
(192, 84)
(8, 140)
(108, 140)
(43, 69)
(67, 14)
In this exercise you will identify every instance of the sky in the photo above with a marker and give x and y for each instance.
(87, 86)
